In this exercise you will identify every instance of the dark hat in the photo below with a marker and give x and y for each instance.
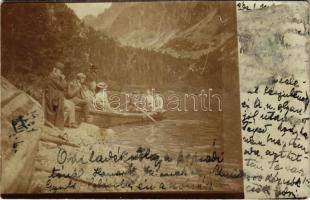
(59, 65)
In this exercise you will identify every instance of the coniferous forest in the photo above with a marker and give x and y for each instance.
(36, 36)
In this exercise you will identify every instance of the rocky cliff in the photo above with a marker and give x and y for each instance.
(187, 29)
(28, 143)
(18, 147)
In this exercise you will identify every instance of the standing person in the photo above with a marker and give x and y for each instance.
(76, 94)
(54, 96)
(92, 78)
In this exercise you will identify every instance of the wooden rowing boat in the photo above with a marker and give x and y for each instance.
(108, 119)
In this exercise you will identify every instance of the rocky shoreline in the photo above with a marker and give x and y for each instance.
(34, 153)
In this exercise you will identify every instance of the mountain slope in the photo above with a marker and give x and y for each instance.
(30, 48)
(187, 29)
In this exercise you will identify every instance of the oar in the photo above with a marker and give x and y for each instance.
(149, 116)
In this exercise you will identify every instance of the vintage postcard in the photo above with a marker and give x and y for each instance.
(155, 99)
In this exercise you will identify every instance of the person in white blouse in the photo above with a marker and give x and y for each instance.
(101, 101)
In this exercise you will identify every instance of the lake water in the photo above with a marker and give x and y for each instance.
(180, 132)
(189, 133)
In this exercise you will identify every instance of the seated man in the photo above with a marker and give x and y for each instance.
(76, 94)
(89, 96)
(133, 102)
(69, 114)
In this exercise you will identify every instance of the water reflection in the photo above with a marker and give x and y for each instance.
(165, 136)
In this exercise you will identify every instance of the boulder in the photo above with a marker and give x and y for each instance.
(77, 140)
(29, 154)
(85, 134)
(18, 147)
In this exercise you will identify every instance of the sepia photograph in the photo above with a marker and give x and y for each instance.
(120, 97)
(143, 98)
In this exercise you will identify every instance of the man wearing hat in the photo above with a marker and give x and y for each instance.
(92, 77)
(76, 94)
(134, 101)
(54, 96)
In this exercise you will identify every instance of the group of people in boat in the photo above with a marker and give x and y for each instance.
(139, 101)
(85, 91)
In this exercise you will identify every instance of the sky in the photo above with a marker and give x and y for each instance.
(84, 9)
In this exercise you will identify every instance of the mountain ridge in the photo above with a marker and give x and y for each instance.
(182, 29)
